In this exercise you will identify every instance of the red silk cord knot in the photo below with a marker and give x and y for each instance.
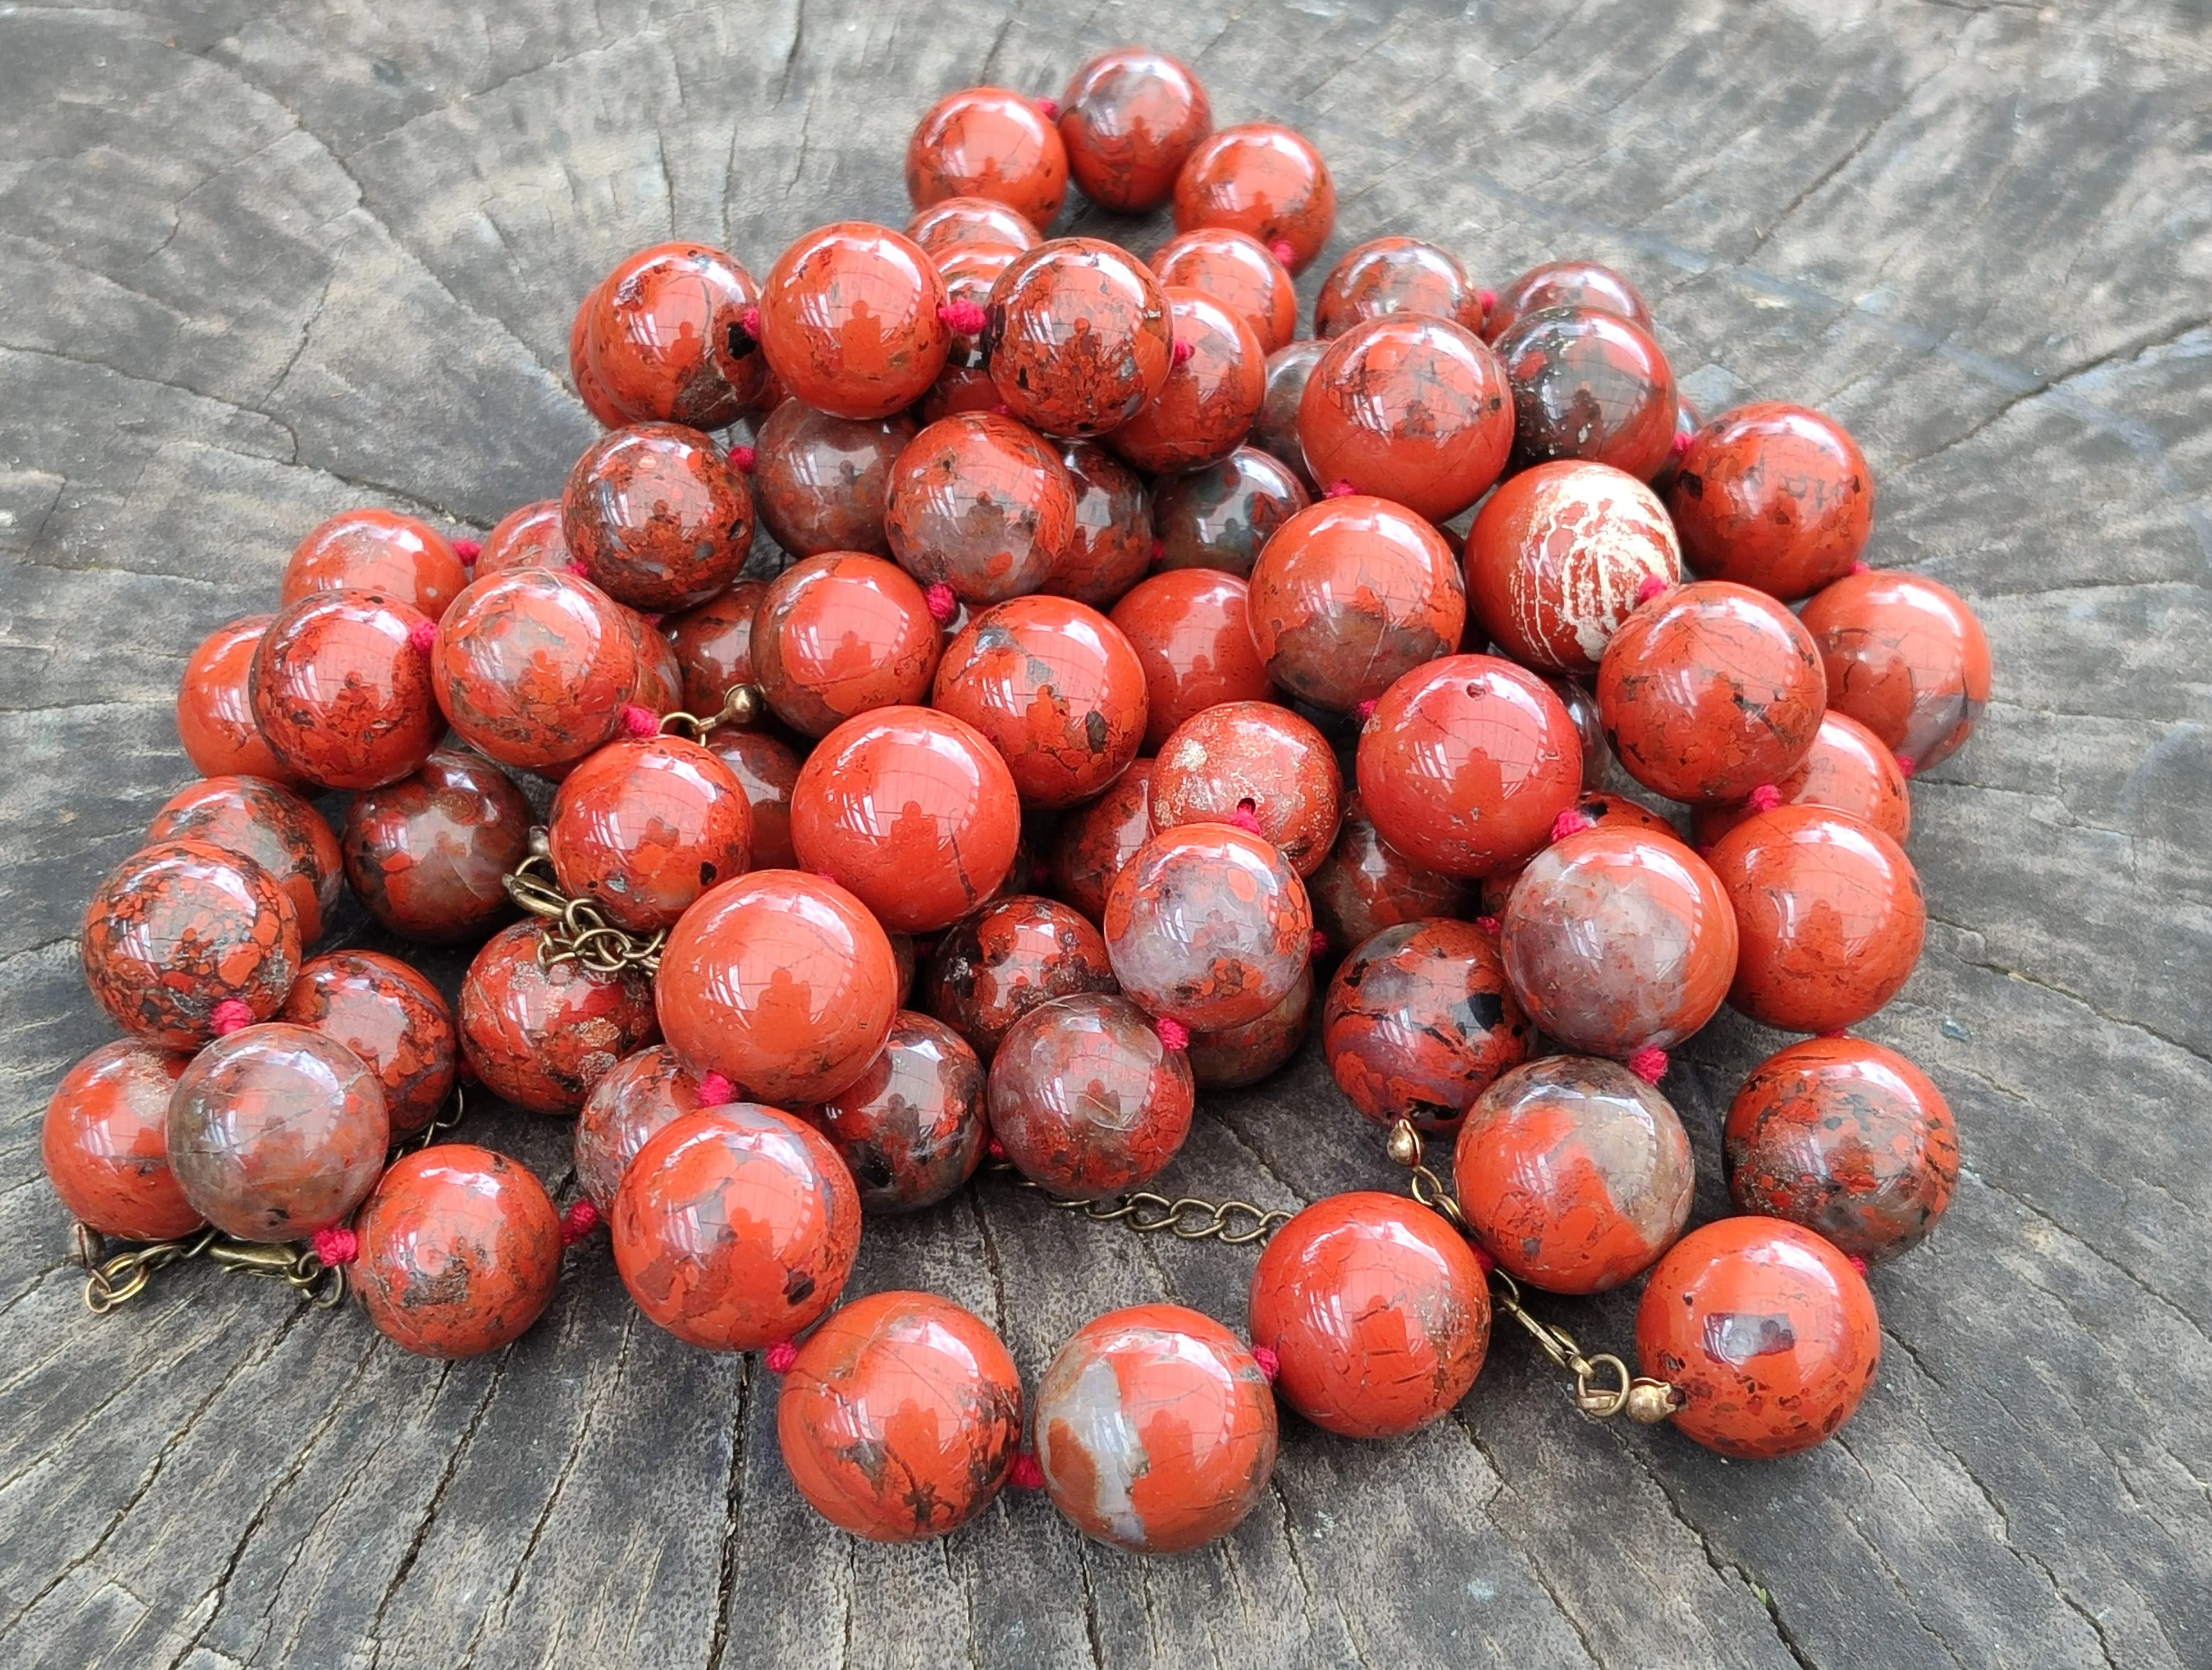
(639, 721)
(1858, 1262)
(1679, 444)
(1181, 351)
(716, 1091)
(1486, 925)
(423, 634)
(1570, 822)
(577, 1222)
(1317, 944)
(1904, 765)
(743, 459)
(1365, 709)
(1173, 1034)
(1159, 549)
(1246, 817)
(942, 601)
(1281, 249)
(1764, 798)
(962, 318)
(780, 1357)
(749, 322)
(1487, 298)
(1648, 1065)
(1025, 1474)
(1270, 1364)
(467, 550)
(334, 1246)
(229, 1015)
(1339, 490)
(1048, 108)
(1861, 568)
(1651, 586)
(575, 566)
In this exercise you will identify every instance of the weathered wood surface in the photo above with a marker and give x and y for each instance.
(254, 268)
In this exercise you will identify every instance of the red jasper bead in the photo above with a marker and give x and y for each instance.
(1617, 939)
(276, 1132)
(1238, 1055)
(541, 1037)
(901, 1417)
(633, 1100)
(645, 826)
(1772, 496)
(1767, 1332)
(951, 223)
(1261, 178)
(392, 1018)
(1365, 885)
(1207, 925)
(527, 537)
(1377, 1313)
(1057, 690)
(1396, 276)
(980, 503)
(1420, 1021)
(783, 982)
(1829, 913)
(1412, 409)
(1205, 406)
(1588, 384)
(1560, 555)
(913, 811)
(1009, 957)
(987, 142)
(1130, 118)
(1257, 759)
(533, 666)
(1846, 1139)
(658, 516)
(377, 550)
(735, 1227)
(1111, 547)
(911, 1128)
(178, 929)
(767, 770)
(1094, 840)
(1905, 657)
(215, 712)
(1084, 1097)
(1594, 812)
(1574, 1173)
(1350, 595)
(1848, 769)
(665, 338)
(1275, 430)
(842, 634)
(1155, 1429)
(714, 644)
(426, 853)
(589, 389)
(1221, 517)
(459, 1251)
(1711, 692)
(1192, 635)
(819, 481)
(1078, 337)
(1581, 285)
(1467, 762)
(105, 1146)
(1236, 270)
(341, 693)
(271, 826)
(850, 320)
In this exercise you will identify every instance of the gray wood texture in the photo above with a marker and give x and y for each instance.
(260, 263)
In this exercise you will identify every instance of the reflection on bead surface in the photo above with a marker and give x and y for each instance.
(426, 853)
(838, 634)
(1202, 411)
(849, 319)
(645, 826)
(1847, 770)
(1772, 496)
(1220, 517)
(1112, 544)
(105, 1142)
(1078, 337)
(1192, 635)
(460, 1250)
(1261, 760)
(1236, 270)
(1588, 384)
(1412, 409)
(1130, 118)
(911, 1128)
(767, 770)
(665, 338)
(1395, 275)
(215, 714)
(1085, 1100)
(1365, 885)
(948, 223)
(658, 516)
(541, 1037)
(274, 827)
(1208, 926)
(1420, 1021)
(1006, 960)
(1261, 178)
(987, 142)
(1155, 1429)
(1275, 430)
(1582, 284)
(633, 1100)
(533, 666)
(1765, 1330)
(392, 1018)
(1376, 1311)
(1238, 1056)
(527, 537)
(979, 503)
(276, 1131)
(818, 481)
(340, 692)
(376, 551)
(1905, 657)
(1574, 1173)
(714, 644)
(1094, 840)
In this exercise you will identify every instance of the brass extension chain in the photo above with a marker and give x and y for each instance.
(1603, 1384)
(1232, 1222)
(740, 707)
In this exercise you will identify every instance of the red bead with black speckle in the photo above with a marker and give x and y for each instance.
(271, 826)
(105, 1143)
(714, 646)
(533, 666)
(276, 1132)
(1255, 760)
(1238, 1055)
(840, 634)
(646, 825)
(426, 854)
(1418, 1022)
(1096, 839)
(1848, 769)
(951, 223)
(214, 711)
(1412, 409)
(1205, 406)
(1111, 547)
(1238, 271)
(1129, 119)
(665, 338)
(658, 517)
(541, 1037)
(1365, 885)
(1012, 955)
(911, 1128)
(528, 536)
(1710, 691)
(1767, 1331)
(1377, 1311)
(850, 320)
(392, 1018)
(589, 389)
(819, 482)
(1396, 275)
(979, 503)
(1222, 516)
(633, 1100)
(1905, 657)
(1207, 925)
(1581, 285)
(1078, 337)
(1275, 430)
(1084, 1097)
(340, 692)
(767, 770)
(1589, 385)
(1594, 811)
(1261, 178)
(735, 1227)
(1774, 496)
(377, 550)
(1190, 629)
(985, 142)
(459, 1252)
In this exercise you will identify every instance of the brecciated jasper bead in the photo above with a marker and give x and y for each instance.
(819, 482)
(646, 825)
(276, 1132)
(1412, 409)
(459, 1251)
(215, 713)
(767, 770)
(1111, 547)
(665, 335)
(848, 318)
(341, 691)
(839, 634)
(1594, 812)
(105, 1146)
(1588, 384)
(657, 515)
(1366, 885)
(1238, 1055)
(633, 1100)
(1222, 516)
(176, 931)
(1772, 496)
(1581, 284)
(1574, 1173)
(1420, 1021)
(1765, 1330)
(735, 1227)
(988, 143)
(541, 1037)
(980, 504)
(271, 826)
(1275, 430)
(1395, 275)
(1192, 635)
(1237, 271)
(1155, 1429)
(528, 536)
(714, 642)
(996, 966)
(1377, 1311)
(901, 1417)
(533, 666)
(1208, 926)
(911, 1128)
(376, 551)
(1257, 760)
(1079, 339)
(392, 1018)
(953, 223)
(1212, 391)
(1263, 179)
(1848, 769)
(589, 389)
(426, 854)
(1905, 657)
(1096, 839)
(1130, 118)
(1085, 1098)
(1844, 1139)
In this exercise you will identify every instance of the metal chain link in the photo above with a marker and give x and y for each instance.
(576, 931)
(741, 706)
(1232, 1222)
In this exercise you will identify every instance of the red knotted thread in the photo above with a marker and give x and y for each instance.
(1856, 1263)
(1483, 1261)
(716, 1091)
(1859, 567)
(1570, 822)
(1679, 444)
(334, 1246)
(1486, 924)
(1048, 108)
(1173, 1034)
(1832, 1032)
(1904, 764)
(1025, 1474)
(1651, 587)
(1002, 410)
(1281, 249)
(1159, 549)
(942, 601)
(1648, 1063)
(749, 322)
(1339, 490)
(779, 1358)
(743, 459)
(577, 1222)
(962, 318)
(1365, 709)
(1182, 351)
(229, 1015)
(996, 1149)
(1246, 817)
(1316, 943)
(639, 721)
(423, 634)
(1488, 298)
(575, 566)
(1270, 1364)
(1764, 798)
(467, 550)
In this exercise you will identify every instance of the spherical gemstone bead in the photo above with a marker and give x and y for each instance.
(1155, 1429)
(1412, 409)
(341, 693)
(1377, 1313)
(1236, 270)
(1205, 406)
(1905, 657)
(767, 770)
(1576, 284)
(1395, 275)
(901, 1417)
(1261, 178)
(1238, 1055)
(214, 711)
(1221, 517)
(459, 1251)
(714, 644)
(819, 481)
(848, 318)
(1848, 769)
(987, 142)
(1208, 926)
(1767, 1331)
(392, 1018)
(1275, 430)
(735, 1227)
(541, 1037)
(1130, 118)
(1191, 633)
(426, 853)
(1012, 955)
(274, 827)
(911, 1128)
(376, 551)
(1085, 1098)
(276, 1132)
(980, 503)
(951, 223)
(842, 634)
(106, 1144)
(665, 338)
(1366, 885)
(529, 536)
(1111, 546)
(783, 982)
(1588, 384)
(1774, 496)
(646, 825)
(176, 931)
(658, 516)
(1096, 839)
(1574, 1173)
(1420, 1021)
(533, 666)
(633, 1100)
(1259, 761)
(1591, 811)
(1078, 337)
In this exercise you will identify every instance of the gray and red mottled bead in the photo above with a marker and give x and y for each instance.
(997, 965)
(1222, 516)
(633, 1100)
(1418, 1022)
(1078, 337)
(644, 825)
(541, 1037)
(979, 503)
(1772, 496)
(1255, 764)
(392, 1018)
(376, 551)
(657, 515)
(1238, 1055)
(426, 853)
(1395, 275)
(342, 689)
(1085, 1098)
(1412, 409)
(459, 1251)
(1097, 839)
(1191, 633)
(1111, 546)
(911, 1128)
(1365, 885)
(1905, 657)
(533, 666)
(840, 634)
(1208, 926)
(1205, 406)
(271, 826)
(1592, 385)
(106, 1145)
(714, 644)
(665, 335)
(819, 481)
